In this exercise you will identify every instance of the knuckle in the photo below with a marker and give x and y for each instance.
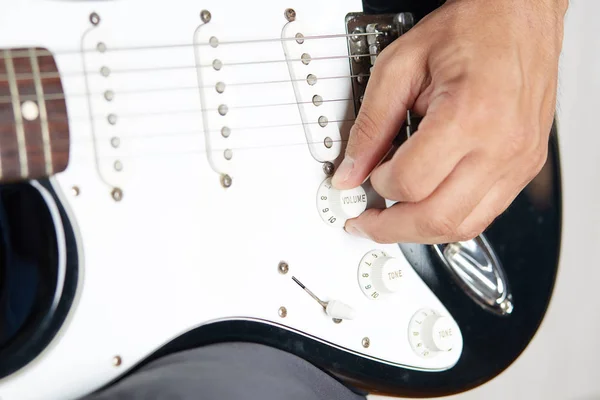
(365, 127)
(471, 232)
(520, 141)
(516, 143)
(406, 189)
(436, 226)
(538, 160)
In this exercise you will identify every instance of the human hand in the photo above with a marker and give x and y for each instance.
(484, 76)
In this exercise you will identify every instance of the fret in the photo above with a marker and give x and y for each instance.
(16, 105)
(39, 90)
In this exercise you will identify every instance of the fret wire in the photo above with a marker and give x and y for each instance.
(61, 96)
(54, 75)
(46, 53)
(39, 90)
(16, 105)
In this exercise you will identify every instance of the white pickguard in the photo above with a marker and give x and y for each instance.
(179, 250)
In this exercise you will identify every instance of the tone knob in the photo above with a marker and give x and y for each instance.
(337, 206)
(431, 333)
(379, 274)
(387, 274)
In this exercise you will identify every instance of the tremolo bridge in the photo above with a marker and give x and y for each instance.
(368, 36)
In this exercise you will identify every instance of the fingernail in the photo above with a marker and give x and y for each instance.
(354, 231)
(343, 172)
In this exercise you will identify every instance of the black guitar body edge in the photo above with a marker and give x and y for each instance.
(526, 238)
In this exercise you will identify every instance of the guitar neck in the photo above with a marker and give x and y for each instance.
(34, 126)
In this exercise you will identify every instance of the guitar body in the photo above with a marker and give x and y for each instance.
(193, 193)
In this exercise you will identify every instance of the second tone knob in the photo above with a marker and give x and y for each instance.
(431, 333)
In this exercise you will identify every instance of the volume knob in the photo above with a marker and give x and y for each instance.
(337, 206)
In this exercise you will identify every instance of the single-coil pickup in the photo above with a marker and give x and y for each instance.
(319, 74)
(111, 149)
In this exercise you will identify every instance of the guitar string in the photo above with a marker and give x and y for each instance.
(234, 64)
(151, 114)
(46, 53)
(69, 74)
(62, 96)
(10, 154)
(129, 135)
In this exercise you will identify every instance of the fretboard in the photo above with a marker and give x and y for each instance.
(34, 126)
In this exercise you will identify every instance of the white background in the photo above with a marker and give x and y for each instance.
(562, 361)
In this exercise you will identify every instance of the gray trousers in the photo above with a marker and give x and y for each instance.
(229, 371)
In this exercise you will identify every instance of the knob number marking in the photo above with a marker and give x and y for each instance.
(380, 275)
(415, 339)
(335, 207)
(364, 274)
(431, 334)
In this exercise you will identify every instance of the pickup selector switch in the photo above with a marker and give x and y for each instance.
(337, 206)
(380, 274)
(430, 333)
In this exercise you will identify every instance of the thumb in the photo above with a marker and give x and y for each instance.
(390, 92)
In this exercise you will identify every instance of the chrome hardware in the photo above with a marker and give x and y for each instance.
(290, 14)
(283, 268)
(477, 269)
(117, 361)
(366, 342)
(282, 312)
(368, 36)
(205, 16)
(328, 168)
(117, 194)
(226, 181)
(94, 19)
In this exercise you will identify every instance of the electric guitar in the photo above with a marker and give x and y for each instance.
(165, 184)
